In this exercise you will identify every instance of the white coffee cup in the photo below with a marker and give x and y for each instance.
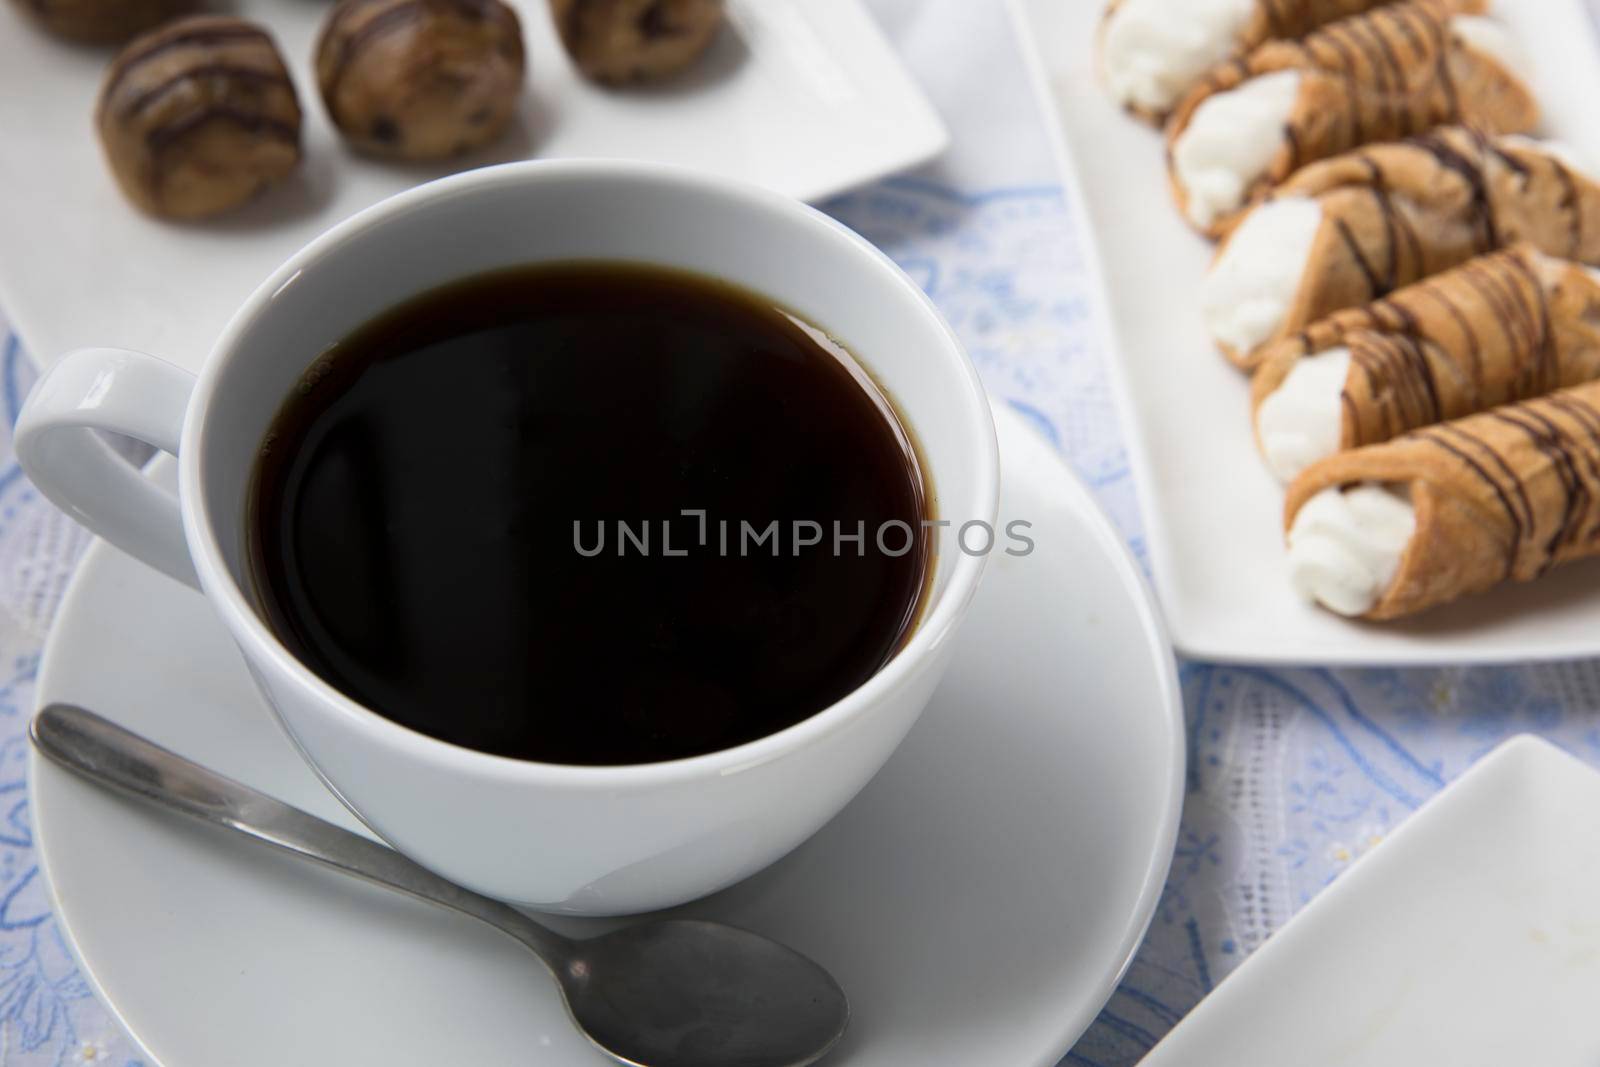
(579, 839)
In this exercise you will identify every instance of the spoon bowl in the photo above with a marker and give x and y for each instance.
(687, 993)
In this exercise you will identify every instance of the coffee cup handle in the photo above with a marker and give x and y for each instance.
(121, 392)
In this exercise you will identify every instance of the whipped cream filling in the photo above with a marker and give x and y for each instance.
(1154, 50)
(1230, 142)
(1345, 545)
(1250, 287)
(1491, 38)
(1302, 421)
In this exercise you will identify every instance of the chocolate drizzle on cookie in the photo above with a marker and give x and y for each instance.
(199, 116)
(620, 42)
(103, 21)
(420, 79)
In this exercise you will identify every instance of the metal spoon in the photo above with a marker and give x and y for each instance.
(673, 993)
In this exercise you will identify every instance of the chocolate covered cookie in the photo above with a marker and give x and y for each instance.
(199, 116)
(620, 41)
(421, 79)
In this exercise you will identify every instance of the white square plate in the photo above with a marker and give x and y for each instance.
(1213, 514)
(804, 96)
(1471, 937)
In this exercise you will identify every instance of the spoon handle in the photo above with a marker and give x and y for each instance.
(108, 755)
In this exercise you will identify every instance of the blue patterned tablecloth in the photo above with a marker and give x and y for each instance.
(1294, 774)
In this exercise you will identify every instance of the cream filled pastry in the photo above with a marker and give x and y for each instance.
(1152, 51)
(1496, 330)
(1252, 286)
(1232, 140)
(1346, 545)
(1353, 229)
(1394, 529)
(1302, 420)
(1391, 72)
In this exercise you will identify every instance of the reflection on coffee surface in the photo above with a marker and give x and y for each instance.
(470, 516)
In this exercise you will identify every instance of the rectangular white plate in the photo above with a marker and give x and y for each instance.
(1213, 514)
(804, 96)
(1470, 937)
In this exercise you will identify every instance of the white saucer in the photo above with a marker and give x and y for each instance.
(978, 901)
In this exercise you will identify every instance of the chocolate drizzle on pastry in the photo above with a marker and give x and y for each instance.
(1572, 205)
(1503, 495)
(1405, 210)
(1561, 429)
(1291, 19)
(1386, 74)
(1508, 489)
(1450, 149)
(1493, 331)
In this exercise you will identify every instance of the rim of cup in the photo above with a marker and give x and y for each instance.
(935, 627)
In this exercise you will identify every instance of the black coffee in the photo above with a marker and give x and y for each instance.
(469, 517)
